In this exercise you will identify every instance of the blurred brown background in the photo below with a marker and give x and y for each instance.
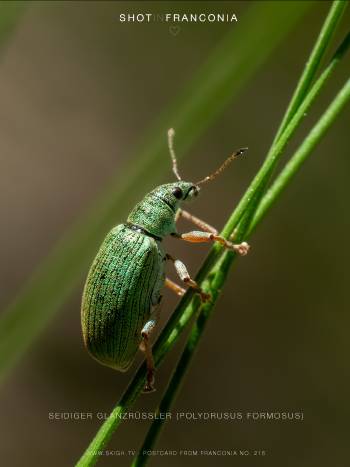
(77, 91)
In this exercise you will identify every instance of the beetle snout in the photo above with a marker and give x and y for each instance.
(195, 190)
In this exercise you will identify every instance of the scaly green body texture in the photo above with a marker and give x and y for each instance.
(123, 284)
(123, 289)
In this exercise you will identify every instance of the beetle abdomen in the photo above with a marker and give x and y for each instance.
(122, 285)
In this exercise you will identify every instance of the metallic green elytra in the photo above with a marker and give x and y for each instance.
(123, 288)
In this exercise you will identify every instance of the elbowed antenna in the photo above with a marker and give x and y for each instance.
(222, 167)
(171, 134)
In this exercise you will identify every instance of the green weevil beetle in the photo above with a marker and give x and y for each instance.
(122, 293)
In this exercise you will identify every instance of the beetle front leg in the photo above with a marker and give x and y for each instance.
(186, 279)
(196, 221)
(197, 236)
(207, 234)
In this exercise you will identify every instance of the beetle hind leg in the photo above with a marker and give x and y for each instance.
(146, 348)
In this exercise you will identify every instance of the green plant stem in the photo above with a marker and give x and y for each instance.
(261, 180)
(300, 156)
(277, 148)
(221, 270)
(272, 194)
(336, 11)
(231, 64)
(187, 307)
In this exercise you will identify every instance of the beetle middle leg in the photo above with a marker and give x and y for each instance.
(174, 287)
(186, 278)
(146, 348)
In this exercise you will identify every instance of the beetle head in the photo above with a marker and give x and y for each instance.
(173, 194)
(184, 191)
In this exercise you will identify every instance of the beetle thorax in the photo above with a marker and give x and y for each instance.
(156, 213)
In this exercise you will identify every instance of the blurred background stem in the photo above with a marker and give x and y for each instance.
(10, 13)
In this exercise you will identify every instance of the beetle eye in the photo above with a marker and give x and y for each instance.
(177, 192)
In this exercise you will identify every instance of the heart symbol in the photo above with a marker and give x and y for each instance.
(174, 30)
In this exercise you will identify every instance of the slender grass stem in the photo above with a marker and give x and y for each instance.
(336, 11)
(221, 268)
(274, 155)
(211, 276)
(300, 156)
(277, 148)
(220, 271)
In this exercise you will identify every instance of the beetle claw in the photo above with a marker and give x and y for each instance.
(148, 388)
(205, 297)
(242, 248)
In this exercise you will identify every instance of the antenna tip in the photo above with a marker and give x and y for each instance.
(241, 151)
(171, 132)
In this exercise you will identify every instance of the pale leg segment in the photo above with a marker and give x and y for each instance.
(196, 221)
(174, 287)
(146, 348)
(209, 234)
(186, 279)
(196, 236)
